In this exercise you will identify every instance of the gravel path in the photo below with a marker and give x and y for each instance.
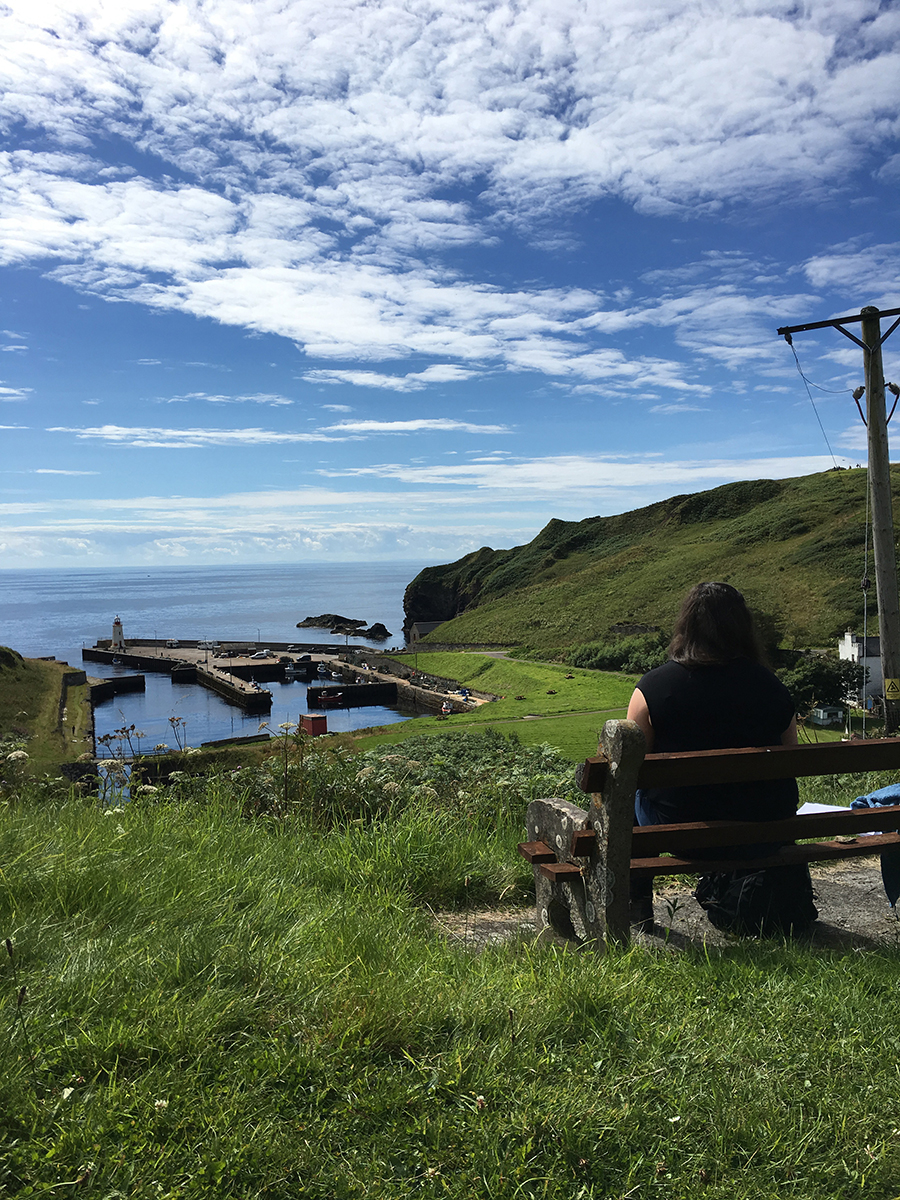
(853, 915)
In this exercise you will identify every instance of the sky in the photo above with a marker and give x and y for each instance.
(337, 280)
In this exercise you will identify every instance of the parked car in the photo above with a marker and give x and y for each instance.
(262, 654)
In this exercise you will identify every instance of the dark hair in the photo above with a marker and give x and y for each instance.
(714, 626)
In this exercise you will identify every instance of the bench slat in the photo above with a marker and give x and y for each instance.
(648, 840)
(748, 764)
(536, 852)
(559, 870)
(769, 762)
(811, 852)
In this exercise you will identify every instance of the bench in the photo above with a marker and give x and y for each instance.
(583, 858)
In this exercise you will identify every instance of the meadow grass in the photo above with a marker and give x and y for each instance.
(224, 1005)
(576, 735)
(563, 706)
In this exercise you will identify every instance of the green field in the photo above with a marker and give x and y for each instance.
(570, 719)
(237, 988)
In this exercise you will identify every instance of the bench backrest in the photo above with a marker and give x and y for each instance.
(749, 764)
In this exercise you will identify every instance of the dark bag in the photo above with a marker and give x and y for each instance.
(777, 900)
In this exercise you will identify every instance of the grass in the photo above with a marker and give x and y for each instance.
(576, 735)
(569, 719)
(29, 711)
(258, 1008)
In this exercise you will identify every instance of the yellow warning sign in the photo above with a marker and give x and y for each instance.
(892, 689)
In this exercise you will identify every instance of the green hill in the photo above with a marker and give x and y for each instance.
(795, 548)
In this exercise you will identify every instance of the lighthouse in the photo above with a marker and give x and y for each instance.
(118, 637)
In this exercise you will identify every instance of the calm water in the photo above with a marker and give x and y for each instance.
(59, 612)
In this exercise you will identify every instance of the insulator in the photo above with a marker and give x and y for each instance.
(865, 583)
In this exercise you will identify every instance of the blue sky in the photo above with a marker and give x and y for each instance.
(304, 279)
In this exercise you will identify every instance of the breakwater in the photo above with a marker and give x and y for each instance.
(246, 694)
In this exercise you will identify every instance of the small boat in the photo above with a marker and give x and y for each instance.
(321, 669)
(336, 675)
(446, 708)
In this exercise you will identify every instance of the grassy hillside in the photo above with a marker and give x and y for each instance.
(795, 547)
(29, 711)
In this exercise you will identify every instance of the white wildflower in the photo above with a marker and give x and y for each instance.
(16, 756)
(159, 1105)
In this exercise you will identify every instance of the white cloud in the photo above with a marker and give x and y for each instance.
(253, 398)
(588, 474)
(418, 425)
(668, 409)
(150, 437)
(52, 471)
(313, 150)
(413, 381)
(14, 393)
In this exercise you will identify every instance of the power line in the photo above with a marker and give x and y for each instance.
(807, 382)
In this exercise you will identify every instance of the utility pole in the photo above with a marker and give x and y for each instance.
(879, 481)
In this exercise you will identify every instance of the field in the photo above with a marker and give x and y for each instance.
(236, 988)
(560, 705)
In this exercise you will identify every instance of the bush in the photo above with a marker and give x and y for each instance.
(636, 653)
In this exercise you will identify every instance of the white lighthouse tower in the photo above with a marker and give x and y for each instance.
(118, 637)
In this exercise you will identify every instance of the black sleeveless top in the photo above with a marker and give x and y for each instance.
(718, 707)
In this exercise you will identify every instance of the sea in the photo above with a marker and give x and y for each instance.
(59, 612)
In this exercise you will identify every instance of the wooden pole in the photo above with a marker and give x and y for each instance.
(882, 512)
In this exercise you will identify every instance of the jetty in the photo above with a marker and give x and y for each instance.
(190, 666)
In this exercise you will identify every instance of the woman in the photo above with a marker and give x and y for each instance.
(714, 693)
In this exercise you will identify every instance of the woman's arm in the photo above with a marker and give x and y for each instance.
(789, 737)
(640, 714)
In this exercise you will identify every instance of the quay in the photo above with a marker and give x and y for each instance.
(232, 670)
(190, 666)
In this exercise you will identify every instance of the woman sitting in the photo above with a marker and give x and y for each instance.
(715, 692)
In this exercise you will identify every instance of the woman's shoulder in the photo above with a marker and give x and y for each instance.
(668, 672)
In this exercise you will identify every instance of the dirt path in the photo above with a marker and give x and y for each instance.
(853, 915)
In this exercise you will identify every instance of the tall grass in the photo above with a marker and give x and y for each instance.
(233, 1001)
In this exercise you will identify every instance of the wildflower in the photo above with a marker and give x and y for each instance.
(159, 1105)
(17, 756)
(67, 1092)
(160, 747)
(147, 789)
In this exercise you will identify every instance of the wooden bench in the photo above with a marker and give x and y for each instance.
(583, 858)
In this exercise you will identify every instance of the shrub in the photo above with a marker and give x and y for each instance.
(636, 653)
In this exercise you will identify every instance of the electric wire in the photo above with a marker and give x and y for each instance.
(812, 402)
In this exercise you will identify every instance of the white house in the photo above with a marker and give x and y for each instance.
(866, 652)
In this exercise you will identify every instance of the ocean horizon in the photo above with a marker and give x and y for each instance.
(46, 612)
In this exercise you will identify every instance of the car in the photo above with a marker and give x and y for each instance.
(262, 654)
